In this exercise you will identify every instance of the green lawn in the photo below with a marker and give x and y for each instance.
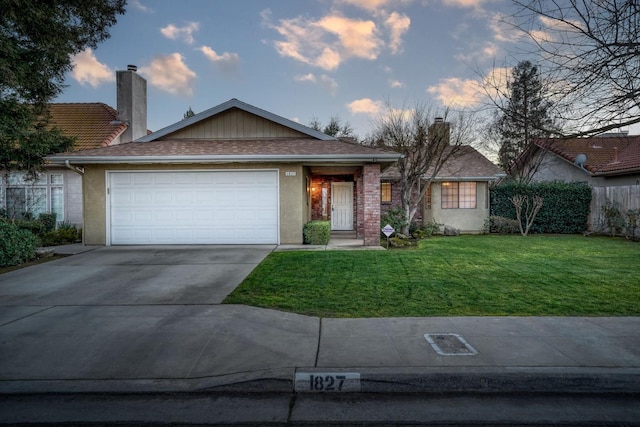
(456, 276)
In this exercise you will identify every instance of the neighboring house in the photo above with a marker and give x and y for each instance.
(458, 195)
(603, 161)
(233, 174)
(59, 188)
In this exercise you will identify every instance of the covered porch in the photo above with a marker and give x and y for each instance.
(349, 197)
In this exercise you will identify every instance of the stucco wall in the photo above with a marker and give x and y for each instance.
(466, 220)
(292, 196)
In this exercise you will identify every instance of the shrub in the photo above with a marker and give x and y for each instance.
(419, 234)
(613, 218)
(500, 225)
(431, 227)
(395, 217)
(34, 226)
(48, 221)
(633, 215)
(62, 236)
(565, 210)
(317, 232)
(16, 245)
(399, 242)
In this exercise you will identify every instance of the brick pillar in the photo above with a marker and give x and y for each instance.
(371, 203)
(359, 207)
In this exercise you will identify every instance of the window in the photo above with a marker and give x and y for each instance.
(385, 192)
(458, 195)
(428, 198)
(25, 198)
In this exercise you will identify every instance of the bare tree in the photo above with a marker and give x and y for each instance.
(527, 207)
(590, 50)
(426, 141)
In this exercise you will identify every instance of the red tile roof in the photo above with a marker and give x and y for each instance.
(90, 123)
(606, 155)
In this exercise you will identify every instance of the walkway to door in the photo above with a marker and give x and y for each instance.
(340, 240)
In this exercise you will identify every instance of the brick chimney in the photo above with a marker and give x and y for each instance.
(441, 130)
(132, 103)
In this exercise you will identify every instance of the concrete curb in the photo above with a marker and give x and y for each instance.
(372, 380)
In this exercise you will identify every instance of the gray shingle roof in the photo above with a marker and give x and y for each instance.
(281, 149)
(466, 164)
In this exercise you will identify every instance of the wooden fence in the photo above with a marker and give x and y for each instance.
(624, 198)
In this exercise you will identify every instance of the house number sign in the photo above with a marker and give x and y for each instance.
(330, 382)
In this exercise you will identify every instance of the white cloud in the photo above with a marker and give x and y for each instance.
(181, 33)
(484, 53)
(306, 78)
(358, 37)
(326, 42)
(228, 61)
(171, 74)
(396, 84)
(455, 92)
(374, 5)
(88, 70)
(328, 83)
(366, 106)
(398, 25)
(141, 7)
(473, 4)
(214, 57)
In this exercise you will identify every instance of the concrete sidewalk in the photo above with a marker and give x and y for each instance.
(168, 348)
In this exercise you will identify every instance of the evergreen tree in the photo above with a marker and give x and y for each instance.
(525, 116)
(335, 127)
(37, 41)
(188, 114)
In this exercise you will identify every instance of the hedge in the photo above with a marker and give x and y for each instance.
(565, 208)
(317, 232)
(16, 245)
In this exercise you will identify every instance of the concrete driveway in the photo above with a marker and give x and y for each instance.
(134, 275)
(141, 314)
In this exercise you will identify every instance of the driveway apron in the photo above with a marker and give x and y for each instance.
(143, 313)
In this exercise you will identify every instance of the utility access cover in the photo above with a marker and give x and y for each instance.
(450, 345)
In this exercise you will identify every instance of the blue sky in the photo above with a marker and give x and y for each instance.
(301, 59)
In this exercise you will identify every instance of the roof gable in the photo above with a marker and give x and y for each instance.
(235, 119)
(93, 125)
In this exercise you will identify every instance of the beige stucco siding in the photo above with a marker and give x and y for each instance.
(466, 220)
(291, 191)
(234, 124)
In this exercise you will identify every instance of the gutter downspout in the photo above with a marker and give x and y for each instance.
(76, 169)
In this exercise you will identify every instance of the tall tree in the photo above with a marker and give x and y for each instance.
(37, 40)
(591, 50)
(524, 115)
(426, 141)
(335, 127)
(188, 114)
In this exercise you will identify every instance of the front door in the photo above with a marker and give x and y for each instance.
(342, 206)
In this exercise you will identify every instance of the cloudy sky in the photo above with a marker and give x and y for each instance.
(301, 59)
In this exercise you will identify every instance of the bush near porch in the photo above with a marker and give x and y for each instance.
(317, 232)
(470, 275)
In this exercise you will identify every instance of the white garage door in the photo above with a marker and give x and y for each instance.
(203, 207)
